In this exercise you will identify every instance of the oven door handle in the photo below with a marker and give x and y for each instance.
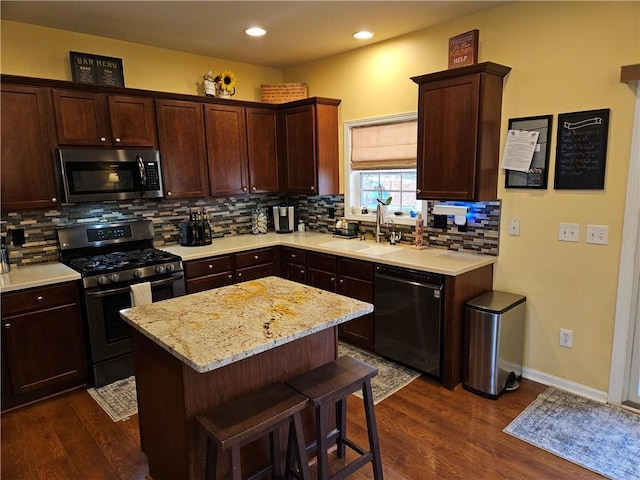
(116, 291)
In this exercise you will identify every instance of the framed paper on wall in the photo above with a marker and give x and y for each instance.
(538, 173)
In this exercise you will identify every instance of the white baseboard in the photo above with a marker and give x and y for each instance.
(563, 384)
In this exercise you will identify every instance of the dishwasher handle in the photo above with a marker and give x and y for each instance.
(408, 275)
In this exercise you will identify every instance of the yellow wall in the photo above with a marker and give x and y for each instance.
(35, 51)
(565, 57)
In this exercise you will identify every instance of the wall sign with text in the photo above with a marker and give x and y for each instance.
(581, 150)
(96, 69)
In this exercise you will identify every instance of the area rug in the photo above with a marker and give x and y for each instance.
(391, 376)
(118, 399)
(600, 437)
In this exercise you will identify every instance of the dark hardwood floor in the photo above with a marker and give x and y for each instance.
(426, 432)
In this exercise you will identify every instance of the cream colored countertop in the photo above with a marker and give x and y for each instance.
(211, 329)
(39, 275)
(435, 260)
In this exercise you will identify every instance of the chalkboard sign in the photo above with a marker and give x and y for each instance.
(581, 149)
(96, 69)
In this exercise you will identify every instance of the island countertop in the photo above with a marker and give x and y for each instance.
(214, 328)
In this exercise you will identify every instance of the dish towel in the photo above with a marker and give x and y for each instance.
(141, 294)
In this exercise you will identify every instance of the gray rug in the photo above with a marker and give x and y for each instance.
(391, 376)
(118, 399)
(603, 438)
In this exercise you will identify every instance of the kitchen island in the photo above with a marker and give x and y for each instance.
(194, 352)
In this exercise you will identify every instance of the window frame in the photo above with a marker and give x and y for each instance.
(350, 179)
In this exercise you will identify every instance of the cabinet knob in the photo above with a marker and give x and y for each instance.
(7, 325)
(293, 255)
(103, 139)
(117, 139)
(244, 189)
(341, 281)
(169, 194)
(333, 279)
(256, 257)
(239, 274)
(40, 298)
(229, 276)
(312, 188)
(210, 266)
(302, 271)
(54, 199)
(254, 188)
(418, 190)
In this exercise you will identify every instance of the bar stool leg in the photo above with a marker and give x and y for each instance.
(322, 419)
(372, 430)
(297, 451)
(341, 418)
(235, 462)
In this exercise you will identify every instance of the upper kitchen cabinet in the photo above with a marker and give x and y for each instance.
(310, 139)
(459, 114)
(95, 119)
(242, 150)
(182, 147)
(27, 167)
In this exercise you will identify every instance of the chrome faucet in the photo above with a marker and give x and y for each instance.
(379, 220)
(393, 236)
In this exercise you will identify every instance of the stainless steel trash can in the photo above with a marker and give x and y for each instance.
(493, 343)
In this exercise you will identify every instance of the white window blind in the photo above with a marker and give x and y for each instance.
(384, 146)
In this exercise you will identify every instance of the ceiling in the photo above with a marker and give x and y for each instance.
(297, 31)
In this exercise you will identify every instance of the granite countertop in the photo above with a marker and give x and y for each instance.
(434, 260)
(211, 329)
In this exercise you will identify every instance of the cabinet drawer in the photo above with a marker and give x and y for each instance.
(210, 281)
(321, 261)
(294, 255)
(39, 298)
(208, 266)
(255, 257)
(355, 269)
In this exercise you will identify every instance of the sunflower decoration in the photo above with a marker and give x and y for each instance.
(227, 81)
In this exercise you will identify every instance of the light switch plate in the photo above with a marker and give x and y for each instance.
(569, 232)
(598, 234)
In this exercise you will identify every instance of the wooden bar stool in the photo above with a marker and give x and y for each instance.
(327, 386)
(245, 419)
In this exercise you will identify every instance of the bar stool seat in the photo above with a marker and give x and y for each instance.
(243, 420)
(326, 387)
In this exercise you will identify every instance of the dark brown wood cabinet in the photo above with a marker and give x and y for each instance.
(241, 150)
(84, 118)
(256, 264)
(294, 264)
(209, 273)
(27, 167)
(459, 114)
(182, 146)
(349, 277)
(310, 139)
(42, 343)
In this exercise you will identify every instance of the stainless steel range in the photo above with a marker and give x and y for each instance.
(111, 258)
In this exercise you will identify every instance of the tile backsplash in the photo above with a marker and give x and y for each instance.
(231, 216)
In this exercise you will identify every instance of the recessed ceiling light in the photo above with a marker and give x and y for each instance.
(363, 35)
(255, 31)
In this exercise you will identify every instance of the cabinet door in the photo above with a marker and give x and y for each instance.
(355, 281)
(252, 273)
(182, 147)
(322, 279)
(43, 348)
(299, 142)
(81, 118)
(133, 121)
(295, 272)
(262, 151)
(27, 167)
(226, 149)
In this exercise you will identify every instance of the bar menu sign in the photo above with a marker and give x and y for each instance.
(96, 69)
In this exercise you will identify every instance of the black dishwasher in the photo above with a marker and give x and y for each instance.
(408, 317)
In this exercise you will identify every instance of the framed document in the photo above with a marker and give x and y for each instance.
(538, 173)
(96, 69)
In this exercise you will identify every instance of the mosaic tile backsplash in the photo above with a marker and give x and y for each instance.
(230, 216)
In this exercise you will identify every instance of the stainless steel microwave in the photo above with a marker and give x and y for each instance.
(110, 174)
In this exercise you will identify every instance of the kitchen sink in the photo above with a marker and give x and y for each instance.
(380, 249)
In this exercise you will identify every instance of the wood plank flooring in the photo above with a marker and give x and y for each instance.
(426, 432)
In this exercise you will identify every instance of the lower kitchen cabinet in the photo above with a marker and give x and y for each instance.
(42, 343)
(352, 278)
(294, 264)
(256, 264)
(209, 273)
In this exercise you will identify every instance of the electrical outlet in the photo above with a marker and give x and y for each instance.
(514, 227)
(566, 338)
(569, 232)
(598, 234)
